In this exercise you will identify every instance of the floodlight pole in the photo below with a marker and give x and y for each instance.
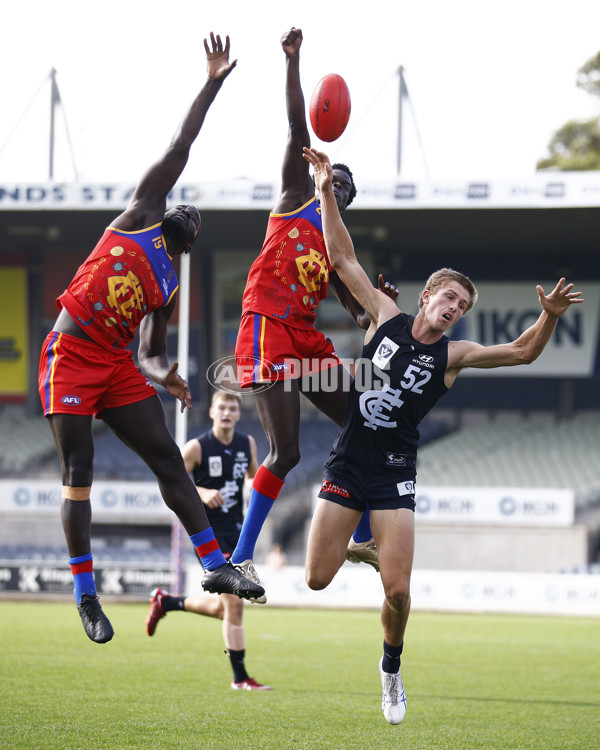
(401, 94)
(54, 101)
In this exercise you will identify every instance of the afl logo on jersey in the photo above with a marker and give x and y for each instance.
(71, 400)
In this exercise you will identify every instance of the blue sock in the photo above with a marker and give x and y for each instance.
(265, 490)
(363, 531)
(258, 510)
(83, 576)
(208, 549)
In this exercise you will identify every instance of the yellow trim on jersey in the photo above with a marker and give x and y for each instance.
(291, 213)
(134, 231)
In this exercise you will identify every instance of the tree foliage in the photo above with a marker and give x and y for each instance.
(576, 145)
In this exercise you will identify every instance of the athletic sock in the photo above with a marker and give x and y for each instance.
(82, 568)
(172, 603)
(237, 664)
(207, 549)
(265, 489)
(391, 658)
(363, 532)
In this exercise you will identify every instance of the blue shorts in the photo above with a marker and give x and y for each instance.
(359, 489)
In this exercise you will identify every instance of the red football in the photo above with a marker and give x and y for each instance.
(330, 107)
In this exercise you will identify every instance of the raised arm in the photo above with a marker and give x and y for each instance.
(147, 206)
(378, 305)
(296, 185)
(528, 346)
(152, 355)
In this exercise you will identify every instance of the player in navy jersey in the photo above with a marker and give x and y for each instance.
(408, 363)
(222, 461)
(128, 282)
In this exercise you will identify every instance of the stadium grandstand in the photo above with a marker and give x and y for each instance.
(536, 426)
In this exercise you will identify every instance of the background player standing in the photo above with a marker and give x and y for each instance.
(128, 281)
(222, 461)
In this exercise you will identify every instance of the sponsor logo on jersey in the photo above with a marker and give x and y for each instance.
(335, 489)
(425, 360)
(396, 459)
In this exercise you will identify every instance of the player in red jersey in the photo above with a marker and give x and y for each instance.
(277, 341)
(127, 282)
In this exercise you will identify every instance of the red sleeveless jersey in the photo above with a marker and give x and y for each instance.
(127, 275)
(291, 275)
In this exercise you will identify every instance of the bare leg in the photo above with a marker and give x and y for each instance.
(279, 412)
(73, 438)
(330, 531)
(394, 532)
(143, 428)
(332, 402)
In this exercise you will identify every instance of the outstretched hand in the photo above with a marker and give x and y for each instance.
(291, 41)
(321, 167)
(559, 299)
(387, 288)
(178, 387)
(217, 59)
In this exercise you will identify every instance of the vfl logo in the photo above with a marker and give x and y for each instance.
(374, 403)
(215, 466)
(71, 400)
(385, 351)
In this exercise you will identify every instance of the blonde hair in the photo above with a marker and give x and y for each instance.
(226, 396)
(437, 280)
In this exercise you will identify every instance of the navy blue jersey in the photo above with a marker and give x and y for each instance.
(396, 384)
(223, 468)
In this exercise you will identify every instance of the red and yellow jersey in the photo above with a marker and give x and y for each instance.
(291, 275)
(127, 275)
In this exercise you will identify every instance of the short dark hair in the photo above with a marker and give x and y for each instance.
(344, 168)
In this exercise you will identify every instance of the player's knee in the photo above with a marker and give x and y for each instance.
(283, 460)
(398, 595)
(316, 580)
(168, 467)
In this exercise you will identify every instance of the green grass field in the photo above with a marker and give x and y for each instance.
(472, 681)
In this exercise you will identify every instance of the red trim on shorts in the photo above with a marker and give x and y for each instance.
(335, 489)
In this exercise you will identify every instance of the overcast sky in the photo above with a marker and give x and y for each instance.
(489, 82)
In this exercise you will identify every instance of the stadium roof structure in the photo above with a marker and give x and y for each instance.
(552, 213)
